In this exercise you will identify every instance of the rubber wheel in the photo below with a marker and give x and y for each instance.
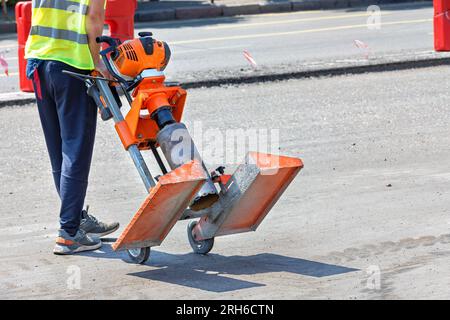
(139, 255)
(199, 246)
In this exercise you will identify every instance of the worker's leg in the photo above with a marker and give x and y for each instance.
(77, 118)
(49, 120)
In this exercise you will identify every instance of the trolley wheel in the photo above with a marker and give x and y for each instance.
(199, 246)
(139, 255)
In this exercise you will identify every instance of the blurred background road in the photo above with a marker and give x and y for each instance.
(206, 48)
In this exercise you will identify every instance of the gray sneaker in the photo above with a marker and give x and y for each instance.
(93, 227)
(66, 244)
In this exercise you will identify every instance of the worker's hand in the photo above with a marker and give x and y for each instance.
(100, 67)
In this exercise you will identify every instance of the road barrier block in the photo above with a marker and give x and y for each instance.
(119, 16)
(441, 24)
(23, 21)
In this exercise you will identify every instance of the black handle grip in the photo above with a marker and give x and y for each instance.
(105, 39)
(145, 34)
(93, 92)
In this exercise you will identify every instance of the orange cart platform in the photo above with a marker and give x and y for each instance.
(248, 195)
(162, 208)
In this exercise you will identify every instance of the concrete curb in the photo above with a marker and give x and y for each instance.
(198, 13)
(212, 11)
(276, 7)
(156, 15)
(240, 10)
(330, 68)
(8, 27)
(16, 99)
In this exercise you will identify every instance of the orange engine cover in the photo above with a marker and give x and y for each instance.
(134, 56)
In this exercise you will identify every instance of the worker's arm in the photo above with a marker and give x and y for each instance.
(95, 20)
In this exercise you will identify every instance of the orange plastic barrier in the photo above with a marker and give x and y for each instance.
(23, 20)
(441, 6)
(441, 23)
(119, 16)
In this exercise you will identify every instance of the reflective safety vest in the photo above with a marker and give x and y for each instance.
(58, 32)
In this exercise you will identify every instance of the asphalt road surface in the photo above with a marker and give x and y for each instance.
(206, 47)
(367, 218)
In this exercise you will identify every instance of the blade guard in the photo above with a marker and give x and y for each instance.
(163, 207)
(251, 192)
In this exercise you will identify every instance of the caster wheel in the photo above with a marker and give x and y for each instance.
(199, 246)
(139, 255)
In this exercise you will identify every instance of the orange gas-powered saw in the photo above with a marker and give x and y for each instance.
(222, 204)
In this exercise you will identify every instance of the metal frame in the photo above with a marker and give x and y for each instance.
(244, 199)
(133, 150)
(212, 218)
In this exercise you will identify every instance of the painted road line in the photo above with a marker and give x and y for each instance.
(6, 46)
(11, 74)
(257, 24)
(193, 49)
(291, 13)
(287, 33)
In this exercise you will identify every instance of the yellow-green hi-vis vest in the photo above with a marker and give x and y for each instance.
(58, 32)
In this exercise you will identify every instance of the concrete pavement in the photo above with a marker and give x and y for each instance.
(368, 217)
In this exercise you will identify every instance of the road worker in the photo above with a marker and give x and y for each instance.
(62, 37)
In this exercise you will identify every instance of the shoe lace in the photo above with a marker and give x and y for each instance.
(89, 216)
(94, 219)
(82, 233)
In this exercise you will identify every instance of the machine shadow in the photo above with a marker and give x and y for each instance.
(105, 252)
(213, 272)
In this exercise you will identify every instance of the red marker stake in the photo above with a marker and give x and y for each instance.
(4, 64)
(361, 45)
(250, 59)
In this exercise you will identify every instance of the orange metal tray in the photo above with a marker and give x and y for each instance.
(250, 193)
(276, 173)
(162, 208)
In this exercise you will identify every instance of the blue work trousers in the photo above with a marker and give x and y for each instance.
(68, 117)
